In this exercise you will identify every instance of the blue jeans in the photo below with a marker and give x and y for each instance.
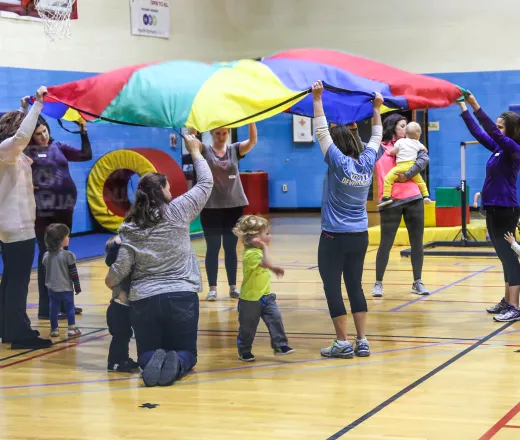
(55, 300)
(167, 321)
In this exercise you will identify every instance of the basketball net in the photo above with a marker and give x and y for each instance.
(55, 15)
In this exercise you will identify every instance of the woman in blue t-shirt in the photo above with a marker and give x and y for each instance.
(344, 223)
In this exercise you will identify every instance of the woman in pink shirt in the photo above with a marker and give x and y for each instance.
(408, 203)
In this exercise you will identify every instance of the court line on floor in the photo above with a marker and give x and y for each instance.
(241, 368)
(224, 379)
(46, 353)
(501, 423)
(415, 384)
(447, 286)
(56, 343)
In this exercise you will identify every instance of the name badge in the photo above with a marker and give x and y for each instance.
(42, 155)
(232, 176)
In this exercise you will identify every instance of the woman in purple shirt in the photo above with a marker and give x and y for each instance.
(499, 195)
(54, 190)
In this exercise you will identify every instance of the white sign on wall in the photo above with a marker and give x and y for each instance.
(150, 18)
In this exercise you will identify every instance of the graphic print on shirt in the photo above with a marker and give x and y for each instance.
(355, 179)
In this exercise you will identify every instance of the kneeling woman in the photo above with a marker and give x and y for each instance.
(344, 223)
(156, 251)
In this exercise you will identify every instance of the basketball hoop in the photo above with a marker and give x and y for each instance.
(55, 15)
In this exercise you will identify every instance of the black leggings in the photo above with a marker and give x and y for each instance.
(413, 213)
(343, 253)
(500, 220)
(218, 225)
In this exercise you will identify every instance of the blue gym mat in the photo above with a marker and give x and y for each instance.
(84, 247)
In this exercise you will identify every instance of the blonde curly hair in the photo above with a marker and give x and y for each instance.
(249, 227)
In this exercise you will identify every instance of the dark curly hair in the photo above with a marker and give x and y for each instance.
(389, 125)
(149, 203)
(54, 236)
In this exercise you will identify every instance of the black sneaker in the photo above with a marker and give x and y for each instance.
(280, 351)
(128, 366)
(498, 308)
(170, 369)
(31, 344)
(246, 357)
(152, 371)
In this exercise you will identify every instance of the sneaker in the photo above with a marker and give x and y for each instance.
(427, 200)
(78, 310)
(362, 348)
(127, 366)
(234, 293)
(498, 308)
(246, 357)
(338, 349)
(152, 371)
(378, 289)
(419, 289)
(31, 344)
(385, 201)
(170, 369)
(73, 331)
(55, 333)
(212, 295)
(280, 351)
(508, 315)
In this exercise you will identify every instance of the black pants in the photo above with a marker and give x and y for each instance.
(218, 225)
(500, 220)
(119, 326)
(249, 314)
(167, 321)
(42, 221)
(413, 214)
(18, 259)
(343, 254)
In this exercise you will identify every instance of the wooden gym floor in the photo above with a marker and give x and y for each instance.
(440, 367)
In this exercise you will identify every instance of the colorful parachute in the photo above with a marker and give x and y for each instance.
(206, 96)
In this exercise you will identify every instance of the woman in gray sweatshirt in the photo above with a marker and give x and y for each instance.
(156, 251)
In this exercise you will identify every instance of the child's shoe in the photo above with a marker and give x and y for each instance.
(280, 351)
(127, 366)
(73, 331)
(55, 333)
(385, 201)
(246, 357)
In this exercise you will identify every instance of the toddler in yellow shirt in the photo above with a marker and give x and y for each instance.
(256, 300)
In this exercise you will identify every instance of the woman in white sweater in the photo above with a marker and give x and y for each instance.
(17, 236)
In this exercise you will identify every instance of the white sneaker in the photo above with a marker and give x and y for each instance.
(212, 295)
(235, 293)
(378, 289)
(338, 349)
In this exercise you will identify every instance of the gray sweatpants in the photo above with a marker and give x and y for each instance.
(249, 314)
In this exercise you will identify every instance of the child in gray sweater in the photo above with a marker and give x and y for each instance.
(61, 277)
